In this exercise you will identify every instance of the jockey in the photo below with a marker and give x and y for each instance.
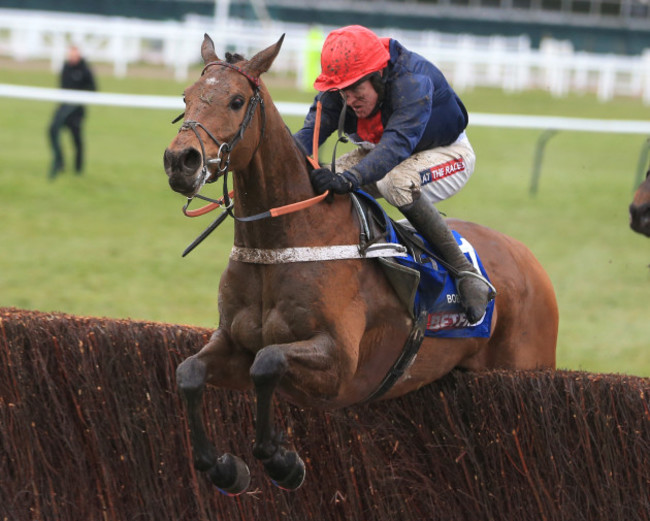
(410, 128)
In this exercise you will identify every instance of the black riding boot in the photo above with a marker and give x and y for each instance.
(475, 293)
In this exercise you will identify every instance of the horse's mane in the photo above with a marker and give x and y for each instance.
(234, 58)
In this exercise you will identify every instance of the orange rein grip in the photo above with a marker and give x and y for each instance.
(313, 159)
(314, 145)
(201, 211)
(314, 162)
(301, 205)
(207, 208)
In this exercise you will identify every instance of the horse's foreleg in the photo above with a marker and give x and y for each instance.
(284, 467)
(229, 473)
(297, 362)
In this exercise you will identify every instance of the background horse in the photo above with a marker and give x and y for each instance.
(319, 333)
(640, 208)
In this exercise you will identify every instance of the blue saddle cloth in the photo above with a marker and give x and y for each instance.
(436, 293)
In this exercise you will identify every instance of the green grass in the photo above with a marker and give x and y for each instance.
(109, 243)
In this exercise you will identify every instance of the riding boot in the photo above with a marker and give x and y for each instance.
(475, 292)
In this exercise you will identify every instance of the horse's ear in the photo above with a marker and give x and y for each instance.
(263, 60)
(207, 50)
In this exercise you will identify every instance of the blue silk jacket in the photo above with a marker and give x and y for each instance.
(419, 111)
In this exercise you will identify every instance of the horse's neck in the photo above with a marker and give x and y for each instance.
(278, 176)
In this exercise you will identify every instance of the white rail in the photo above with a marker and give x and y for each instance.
(551, 124)
(300, 109)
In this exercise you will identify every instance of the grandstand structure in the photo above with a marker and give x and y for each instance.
(601, 26)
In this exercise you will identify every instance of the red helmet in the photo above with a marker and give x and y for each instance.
(349, 54)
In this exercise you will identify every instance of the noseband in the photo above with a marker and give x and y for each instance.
(223, 155)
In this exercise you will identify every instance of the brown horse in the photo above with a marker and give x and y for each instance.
(320, 333)
(640, 208)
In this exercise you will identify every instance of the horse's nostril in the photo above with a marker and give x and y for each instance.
(191, 160)
(186, 161)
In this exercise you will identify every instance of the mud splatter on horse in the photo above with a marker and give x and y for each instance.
(319, 333)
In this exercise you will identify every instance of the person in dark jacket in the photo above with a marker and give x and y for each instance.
(410, 127)
(77, 75)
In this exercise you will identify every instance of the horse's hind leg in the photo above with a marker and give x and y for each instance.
(228, 473)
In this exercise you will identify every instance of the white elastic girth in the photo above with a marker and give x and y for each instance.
(315, 253)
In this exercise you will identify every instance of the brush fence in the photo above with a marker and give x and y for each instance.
(92, 428)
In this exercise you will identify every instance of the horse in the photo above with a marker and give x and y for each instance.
(320, 333)
(640, 208)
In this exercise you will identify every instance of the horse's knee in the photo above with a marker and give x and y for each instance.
(191, 375)
(269, 366)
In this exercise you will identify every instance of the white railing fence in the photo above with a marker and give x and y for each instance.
(549, 124)
(148, 101)
(508, 63)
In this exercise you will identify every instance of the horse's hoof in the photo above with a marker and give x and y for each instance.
(205, 461)
(289, 474)
(230, 475)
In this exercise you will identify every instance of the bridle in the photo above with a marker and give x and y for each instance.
(225, 149)
(223, 161)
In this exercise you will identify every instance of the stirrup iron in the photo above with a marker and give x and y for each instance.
(479, 276)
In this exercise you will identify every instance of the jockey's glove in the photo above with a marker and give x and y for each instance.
(323, 179)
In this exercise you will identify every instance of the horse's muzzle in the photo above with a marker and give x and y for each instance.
(640, 218)
(183, 167)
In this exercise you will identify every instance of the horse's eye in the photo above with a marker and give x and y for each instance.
(237, 103)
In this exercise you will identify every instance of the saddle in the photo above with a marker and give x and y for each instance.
(421, 278)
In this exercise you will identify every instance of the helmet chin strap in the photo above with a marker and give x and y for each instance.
(379, 84)
(375, 110)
